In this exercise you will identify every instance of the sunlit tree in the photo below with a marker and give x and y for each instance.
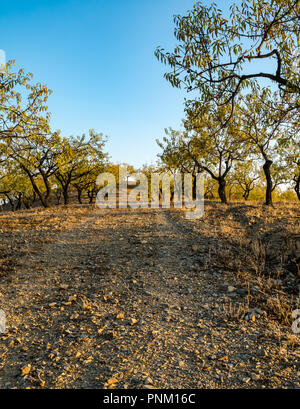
(217, 49)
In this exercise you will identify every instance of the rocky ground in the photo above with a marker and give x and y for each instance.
(146, 299)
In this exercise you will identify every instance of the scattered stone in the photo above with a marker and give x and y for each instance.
(251, 316)
(149, 387)
(69, 347)
(242, 291)
(149, 381)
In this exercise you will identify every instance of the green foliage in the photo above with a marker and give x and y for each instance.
(213, 52)
(79, 161)
(23, 106)
(34, 155)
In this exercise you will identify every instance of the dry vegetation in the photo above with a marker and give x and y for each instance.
(144, 298)
(260, 247)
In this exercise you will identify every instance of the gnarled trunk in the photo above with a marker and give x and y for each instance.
(79, 195)
(26, 202)
(269, 188)
(44, 199)
(66, 196)
(92, 194)
(246, 195)
(11, 202)
(297, 187)
(222, 189)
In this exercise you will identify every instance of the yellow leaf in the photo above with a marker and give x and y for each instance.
(25, 370)
(112, 381)
(224, 358)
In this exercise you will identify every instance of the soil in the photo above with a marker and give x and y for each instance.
(138, 298)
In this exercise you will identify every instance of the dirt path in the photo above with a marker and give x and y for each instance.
(126, 298)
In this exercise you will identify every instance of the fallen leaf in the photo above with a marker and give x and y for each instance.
(112, 381)
(25, 370)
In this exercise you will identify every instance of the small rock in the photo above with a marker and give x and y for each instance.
(242, 291)
(195, 248)
(148, 381)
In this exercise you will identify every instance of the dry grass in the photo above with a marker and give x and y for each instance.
(257, 247)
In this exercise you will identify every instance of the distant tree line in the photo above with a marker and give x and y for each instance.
(35, 161)
(237, 128)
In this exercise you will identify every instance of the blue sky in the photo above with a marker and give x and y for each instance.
(98, 58)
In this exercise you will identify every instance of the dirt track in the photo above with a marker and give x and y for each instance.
(126, 298)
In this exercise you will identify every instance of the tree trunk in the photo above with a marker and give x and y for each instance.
(19, 202)
(297, 187)
(44, 200)
(221, 190)
(11, 202)
(66, 196)
(26, 202)
(194, 187)
(79, 195)
(246, 194)
(269, 188)
(91, 196)
(58, 196)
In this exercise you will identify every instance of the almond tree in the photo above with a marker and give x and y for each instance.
(245, 175)
(23, 105)
(214, 52)
(264, 122)
(74, 160)
(175, 155)
(36, 157)
(215, 147)
(86, 177)
(15, 187)
(25, 135)
(206, 145)
(289, 147)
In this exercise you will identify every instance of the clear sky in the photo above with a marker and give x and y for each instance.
(98, 58)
